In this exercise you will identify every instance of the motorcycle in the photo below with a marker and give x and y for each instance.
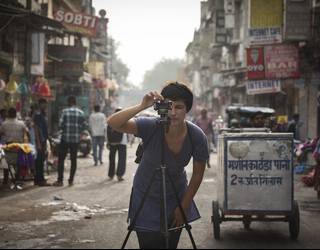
(85, 145)
(303, 152)
(53, 153)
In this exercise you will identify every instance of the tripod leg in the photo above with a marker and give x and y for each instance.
(134, 220)
(126, 240)
(187, 225)
(164, 208)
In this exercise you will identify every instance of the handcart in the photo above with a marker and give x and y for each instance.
(18, 160)
(255, 179)
(8, 160)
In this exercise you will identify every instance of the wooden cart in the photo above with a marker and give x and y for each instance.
(255, 180)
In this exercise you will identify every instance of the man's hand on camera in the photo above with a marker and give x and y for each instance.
(149, 99)
(178, 218)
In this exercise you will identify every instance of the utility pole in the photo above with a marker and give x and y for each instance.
(28, 46)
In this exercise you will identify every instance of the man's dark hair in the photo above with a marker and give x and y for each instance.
(72, 100)
(12, 113)
(96, 108)
(3, 113)
(256, 114)
(296, 117)
(176, 91)
(42, 101)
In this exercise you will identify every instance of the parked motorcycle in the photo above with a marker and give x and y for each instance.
(85, 145)
(303, 152)
(53, 153)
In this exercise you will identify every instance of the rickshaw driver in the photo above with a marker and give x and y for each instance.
(258, 120)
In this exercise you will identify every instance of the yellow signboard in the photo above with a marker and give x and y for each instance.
(266, 13)
(283, 119)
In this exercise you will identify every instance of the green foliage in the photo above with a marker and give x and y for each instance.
(163, 71)
(120, 70)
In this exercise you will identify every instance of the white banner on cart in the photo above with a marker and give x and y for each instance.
(259, 175)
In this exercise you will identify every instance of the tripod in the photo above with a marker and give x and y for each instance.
(164, 125)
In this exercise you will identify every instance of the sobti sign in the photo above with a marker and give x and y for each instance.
(77, 22)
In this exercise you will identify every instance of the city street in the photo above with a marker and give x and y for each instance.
(92, 214)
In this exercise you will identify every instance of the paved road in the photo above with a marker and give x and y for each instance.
(92, 214)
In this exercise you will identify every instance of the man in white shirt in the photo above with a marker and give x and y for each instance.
(97, 123)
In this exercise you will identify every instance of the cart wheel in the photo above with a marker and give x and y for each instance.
(294, 222)
(216, 220)
(247, 222)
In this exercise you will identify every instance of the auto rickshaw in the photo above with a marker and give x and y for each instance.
(242, 116)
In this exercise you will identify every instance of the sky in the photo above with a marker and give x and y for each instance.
(149, 30)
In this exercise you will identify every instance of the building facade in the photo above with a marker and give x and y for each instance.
(258, 53)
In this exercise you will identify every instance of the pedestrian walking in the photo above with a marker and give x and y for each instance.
(72, 123)
(205, 123)
(97, 124)
(117, 143)
(294, 126)
(40, 126)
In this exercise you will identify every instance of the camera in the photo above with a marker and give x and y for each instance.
(163, 107)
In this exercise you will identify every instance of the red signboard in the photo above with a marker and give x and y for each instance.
(282, 61)
(255, 61)
(78, 22)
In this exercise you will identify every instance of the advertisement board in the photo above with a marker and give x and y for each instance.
(259, 173)
(263, 87)
(77, 22)
(297, 29)
(281, 61)
(255, 62)
(266, 20)
(266, 13)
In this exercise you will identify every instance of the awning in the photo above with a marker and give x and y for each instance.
(33, 20)
(43, 22)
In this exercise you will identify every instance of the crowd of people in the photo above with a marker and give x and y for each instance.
(33, 131)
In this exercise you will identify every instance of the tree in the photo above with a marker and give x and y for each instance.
(119, 70)
(163, 71)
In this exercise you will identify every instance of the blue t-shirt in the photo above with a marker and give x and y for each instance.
(195, 145)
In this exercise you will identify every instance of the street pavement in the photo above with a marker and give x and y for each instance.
(92, 214)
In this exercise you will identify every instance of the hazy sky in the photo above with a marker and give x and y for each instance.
(149, 30)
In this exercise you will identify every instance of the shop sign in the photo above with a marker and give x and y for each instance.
(269, 35)
(266, 18)
(281, 61)
(263, 87)
(77, 22)
(255, 61)
(68, 53)
(266, 13)
(297, 29)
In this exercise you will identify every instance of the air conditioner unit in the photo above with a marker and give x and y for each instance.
(229, 7)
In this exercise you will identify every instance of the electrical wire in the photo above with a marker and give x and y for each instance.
(7, 24)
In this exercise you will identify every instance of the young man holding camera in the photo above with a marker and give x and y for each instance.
(183, 140)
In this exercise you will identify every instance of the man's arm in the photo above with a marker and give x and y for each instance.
(62, 121)
(194, 185)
